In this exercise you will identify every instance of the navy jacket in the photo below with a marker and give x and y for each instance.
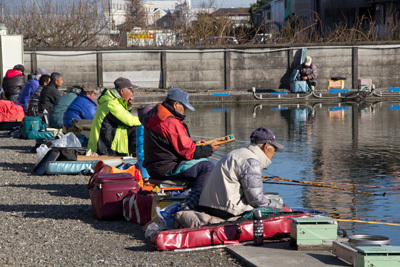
(81, 108)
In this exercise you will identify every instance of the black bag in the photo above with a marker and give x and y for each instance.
(69, 153)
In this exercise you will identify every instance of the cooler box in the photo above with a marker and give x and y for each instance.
(377, 256)
(337, 84)
(299, 87)
(364, 84)
(313, 231)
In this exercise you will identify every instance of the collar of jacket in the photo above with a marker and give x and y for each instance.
(12, 72)
(113, 94)
(173, 112)
(262, 158)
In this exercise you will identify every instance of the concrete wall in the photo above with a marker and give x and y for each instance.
(195, 69)
(220, 69)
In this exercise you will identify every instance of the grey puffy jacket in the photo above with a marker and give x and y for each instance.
(235, 184)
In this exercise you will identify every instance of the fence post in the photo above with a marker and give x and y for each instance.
(355, 67)
(33, 61)
(227, 70)
(164, 69)
(99, 63)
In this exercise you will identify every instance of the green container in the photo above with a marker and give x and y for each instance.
(313, 231)
(377, 256)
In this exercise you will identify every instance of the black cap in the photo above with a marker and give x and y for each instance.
(19, 67)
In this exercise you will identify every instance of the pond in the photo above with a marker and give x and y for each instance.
(355, 146)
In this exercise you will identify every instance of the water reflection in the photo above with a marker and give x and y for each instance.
(352, 144)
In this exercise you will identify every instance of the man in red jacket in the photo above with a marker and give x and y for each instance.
(169, 152)
(13, 82)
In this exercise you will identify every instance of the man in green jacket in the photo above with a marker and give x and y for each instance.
(113, 128)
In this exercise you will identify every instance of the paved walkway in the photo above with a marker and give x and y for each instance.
(282, 255)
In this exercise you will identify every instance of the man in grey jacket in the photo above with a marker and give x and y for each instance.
(235, 185)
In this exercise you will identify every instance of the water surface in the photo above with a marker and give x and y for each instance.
(356, 145)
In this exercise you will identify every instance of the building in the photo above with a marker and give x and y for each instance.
(332, 12)
(272, 13)
(167, 4)
(240, 16)
(115, 11)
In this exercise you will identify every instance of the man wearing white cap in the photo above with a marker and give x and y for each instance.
(308, 72)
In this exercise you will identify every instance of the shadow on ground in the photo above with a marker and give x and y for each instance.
(60, 190)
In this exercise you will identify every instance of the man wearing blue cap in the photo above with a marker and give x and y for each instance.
(169, 152)
(235, 187)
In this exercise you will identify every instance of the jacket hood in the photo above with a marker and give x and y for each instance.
(109, 95)
(160, 113)
(262, 158)
(11, 73)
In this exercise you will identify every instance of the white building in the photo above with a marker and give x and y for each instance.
(115, 11)
(167, 4)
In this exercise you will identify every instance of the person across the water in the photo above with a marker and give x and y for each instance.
(308, 72)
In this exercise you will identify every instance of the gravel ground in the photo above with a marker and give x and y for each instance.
(48, 221)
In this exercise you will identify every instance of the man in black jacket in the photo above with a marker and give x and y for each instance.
(13, 82)
(50, 93)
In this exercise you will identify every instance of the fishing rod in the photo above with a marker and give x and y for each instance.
(361, 185)
(370, 222)
(320, 185)
(313, 184)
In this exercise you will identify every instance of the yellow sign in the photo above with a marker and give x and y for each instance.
(140, 35)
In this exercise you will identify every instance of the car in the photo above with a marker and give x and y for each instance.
(263, 38)
(219, 40)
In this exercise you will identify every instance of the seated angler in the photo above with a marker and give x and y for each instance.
(235, 186)
(308, 72)
(83, 107)
(113, 130)
(169, 152)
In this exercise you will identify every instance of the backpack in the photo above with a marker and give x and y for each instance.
(34, 128)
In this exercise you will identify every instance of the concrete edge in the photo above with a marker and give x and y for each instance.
(245, 261)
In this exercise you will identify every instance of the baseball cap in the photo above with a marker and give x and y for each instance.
(264, 135)
(124, 83)
(181, 96)
(142, 110)
(308, 61)
(88, 87)
(40, 71)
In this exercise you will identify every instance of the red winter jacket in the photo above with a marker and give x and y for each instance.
(13, 82)
(167, 141)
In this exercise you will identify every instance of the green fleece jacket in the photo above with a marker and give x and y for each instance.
(109, 132)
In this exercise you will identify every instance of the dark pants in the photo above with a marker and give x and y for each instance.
(131, 131)
(197, 176)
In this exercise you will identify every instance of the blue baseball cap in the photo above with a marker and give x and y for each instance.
(181, 96)
(264, 135)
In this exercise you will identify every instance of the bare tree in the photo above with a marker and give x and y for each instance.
(136, 15)
(46, 23)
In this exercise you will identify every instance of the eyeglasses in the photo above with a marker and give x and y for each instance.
(275, 148)
(184, 107)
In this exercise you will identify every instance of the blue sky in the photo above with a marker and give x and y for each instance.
(225, 3)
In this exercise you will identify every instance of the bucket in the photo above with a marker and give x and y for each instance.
(369, 240)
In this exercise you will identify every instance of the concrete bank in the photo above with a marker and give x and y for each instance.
(282, 255)
(262, 96)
